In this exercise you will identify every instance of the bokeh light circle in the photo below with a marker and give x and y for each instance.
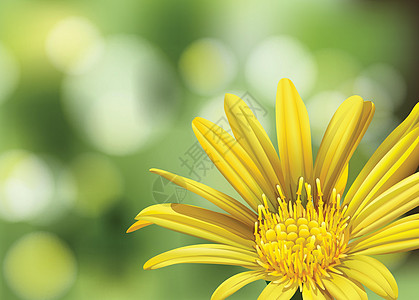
(73, 45)
(26, 186)
(63, 195)
(280, 57)
(9, 73)
(98, 184)
(125, 99)
(207, 66)
(39, 266)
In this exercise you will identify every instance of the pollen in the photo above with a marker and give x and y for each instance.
(303, 240)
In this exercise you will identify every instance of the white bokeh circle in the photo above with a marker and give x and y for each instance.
(26, 186)
(125, 99)
(73, 45)
(280, 57)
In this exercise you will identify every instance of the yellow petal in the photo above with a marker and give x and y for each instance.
(199, 222)
(138, 225)
(371, 273)
(278, 291)
(227, 203)
(312, 294)
(401, 161)
(342, 136)
(372, 171)
(253, 138)
(204, 254)
(233, 162)
(236, 282)
(398, 246)
(400, 236)
(387, 207)
(343, 288)
(294, 137)
(343, 179)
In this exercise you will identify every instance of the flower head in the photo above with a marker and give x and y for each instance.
(297, 230)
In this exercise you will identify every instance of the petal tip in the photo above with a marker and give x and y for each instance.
(130, 229)
(285, 81)
(285, 84)
(228, 96)
(197, 121)
(356, 98)
(147, 265)
(138, 225)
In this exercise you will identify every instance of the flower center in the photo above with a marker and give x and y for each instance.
(301, 243)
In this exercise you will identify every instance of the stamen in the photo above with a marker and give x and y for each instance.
(281, 194)
(265, 201)
(308, 190)
(338, 201)
(301, 244)
(319, 192)
(300, 188)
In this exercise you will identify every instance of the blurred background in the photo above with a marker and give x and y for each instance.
(94, 93)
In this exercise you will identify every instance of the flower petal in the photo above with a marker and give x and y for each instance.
(204, 254)
(199, 222)
(343, 179)
(294, 137)
(342, 136)
(401, 161)
(253, 138)
(381, 163)
(371, 273)
(313, 294)
(400, 236)
(278, 291)
(343, 288)
(233, 162)
(223, 201)
(236, 282)
(387, 207)
(138, 225)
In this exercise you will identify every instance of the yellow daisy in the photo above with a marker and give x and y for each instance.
(296, 231)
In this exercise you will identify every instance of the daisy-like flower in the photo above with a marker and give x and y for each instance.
(297, 231)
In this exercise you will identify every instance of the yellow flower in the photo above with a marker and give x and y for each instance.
(299, 232)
